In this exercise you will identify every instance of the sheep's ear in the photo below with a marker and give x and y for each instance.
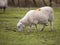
(22, 25)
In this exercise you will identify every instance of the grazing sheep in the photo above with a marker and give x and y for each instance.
(34, 17)
(3, 4)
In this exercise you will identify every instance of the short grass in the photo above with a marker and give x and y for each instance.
(10, 36)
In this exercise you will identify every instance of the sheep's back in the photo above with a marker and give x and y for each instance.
(37, 17)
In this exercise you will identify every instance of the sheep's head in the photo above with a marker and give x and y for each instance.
(20, 27)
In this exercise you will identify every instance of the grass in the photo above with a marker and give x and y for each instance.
(10, 36)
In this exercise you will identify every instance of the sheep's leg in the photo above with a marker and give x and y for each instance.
(4, 8)
(51, 26)
(36, 27)
(43, 26)
(30, 28)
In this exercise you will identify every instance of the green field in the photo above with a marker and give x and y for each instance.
(10, 36)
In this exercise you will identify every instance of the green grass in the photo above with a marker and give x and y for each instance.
(10, 36)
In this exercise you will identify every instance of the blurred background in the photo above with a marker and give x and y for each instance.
(33, 3)
(28, 3)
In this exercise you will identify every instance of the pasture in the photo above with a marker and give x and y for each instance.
(10, 36)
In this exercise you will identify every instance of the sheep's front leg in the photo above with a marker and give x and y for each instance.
(36, 27)
(43, 26)
(30, 28)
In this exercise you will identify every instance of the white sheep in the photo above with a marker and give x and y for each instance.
(3, 4)
(34, 17)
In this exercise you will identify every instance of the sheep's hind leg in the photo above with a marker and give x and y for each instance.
(51, 26)
(43, 26)
(36, 28)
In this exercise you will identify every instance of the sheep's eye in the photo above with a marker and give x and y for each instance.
(18, 26)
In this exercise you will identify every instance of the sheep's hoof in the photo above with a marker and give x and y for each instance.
(41, 30)
(46, 24)
(51, 30)
(19, 31)
(28, 31)
(37, 30)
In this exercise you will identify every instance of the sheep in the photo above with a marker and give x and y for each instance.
(34, 17)
(3, 4)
